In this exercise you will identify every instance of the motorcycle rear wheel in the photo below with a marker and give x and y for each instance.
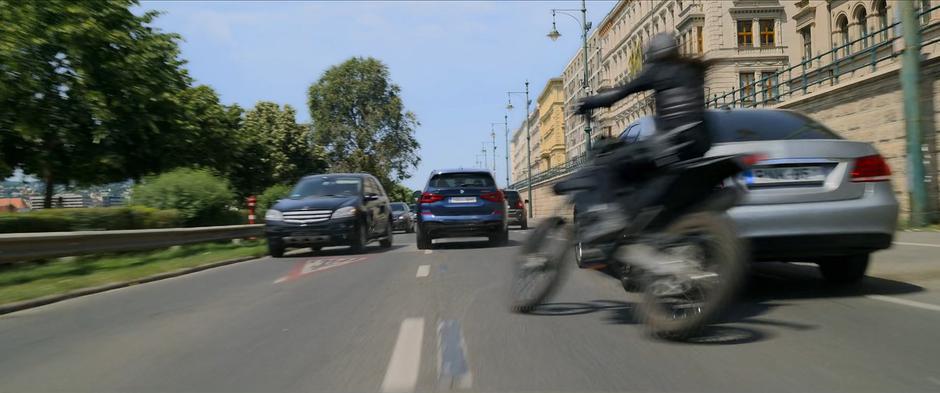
(540, 265)
(681, 317)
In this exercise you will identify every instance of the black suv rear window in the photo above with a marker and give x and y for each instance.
(399, 207)
(457, 180)
(512, 196)
(744, 126)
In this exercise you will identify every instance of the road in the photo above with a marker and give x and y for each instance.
(412, 320)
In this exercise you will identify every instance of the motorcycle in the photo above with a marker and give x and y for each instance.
(680, 249)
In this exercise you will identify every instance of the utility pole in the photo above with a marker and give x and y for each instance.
(910, 85)
(528, 138)
(506, 147)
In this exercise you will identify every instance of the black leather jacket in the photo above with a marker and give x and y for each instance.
(679, 94)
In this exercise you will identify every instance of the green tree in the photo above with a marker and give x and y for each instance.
(275, 149)
(208, 132)
(361, 122)
(400, 193)
(89, 90)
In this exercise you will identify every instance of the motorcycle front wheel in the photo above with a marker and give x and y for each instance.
(540, 265)
(708, 241)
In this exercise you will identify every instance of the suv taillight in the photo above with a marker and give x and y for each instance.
(519, 204)
(495, 196)
(870, 168)
(430, 198)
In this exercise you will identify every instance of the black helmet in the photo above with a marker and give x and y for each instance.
(662, 46)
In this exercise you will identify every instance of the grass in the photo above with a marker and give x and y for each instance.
(36, 279)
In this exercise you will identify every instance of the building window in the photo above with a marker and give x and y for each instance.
(699, 40)
(769, 88)
(807, 36)
(767, 33)
(861, 19)
(745, 34)
(747, 86)
(882, 9)
(843, 25)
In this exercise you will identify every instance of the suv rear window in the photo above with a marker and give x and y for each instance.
(512, 197)
(744, 126)
(457, 180)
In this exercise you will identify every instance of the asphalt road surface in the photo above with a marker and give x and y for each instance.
(404, 320)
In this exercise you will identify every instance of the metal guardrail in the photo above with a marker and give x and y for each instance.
(25, 246)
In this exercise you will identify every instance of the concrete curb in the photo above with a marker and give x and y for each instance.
(41, 301)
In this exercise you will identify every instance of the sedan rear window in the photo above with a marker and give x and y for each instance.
(744, 126)
(458, 180)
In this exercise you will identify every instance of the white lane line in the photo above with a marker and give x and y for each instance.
(423, 271)
(402, 373)
(427, 252)
(917, 244)
(905, 302)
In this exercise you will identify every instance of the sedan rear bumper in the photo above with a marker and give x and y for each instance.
(801, 231)
(459, 226)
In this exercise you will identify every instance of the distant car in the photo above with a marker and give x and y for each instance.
(341, 209)
(402, 219)
(461, 203)
(816, 198)
(517, 211)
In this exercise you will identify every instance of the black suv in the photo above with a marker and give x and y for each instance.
(339, 209)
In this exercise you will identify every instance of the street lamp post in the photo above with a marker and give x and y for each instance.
(485, 163)
(528, 138)
(506, 147)
(585, 28)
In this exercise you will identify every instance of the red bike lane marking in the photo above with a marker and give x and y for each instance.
(317, 265)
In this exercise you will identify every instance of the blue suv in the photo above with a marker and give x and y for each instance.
(461, 203)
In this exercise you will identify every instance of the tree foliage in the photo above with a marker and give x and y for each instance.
(90, 92)
(201, 197)
(361, 122)
(400, 193)
(275, 149)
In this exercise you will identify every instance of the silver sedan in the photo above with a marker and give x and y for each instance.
(815, 198)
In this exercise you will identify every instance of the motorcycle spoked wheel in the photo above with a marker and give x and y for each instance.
(541, 264)
(720, 258)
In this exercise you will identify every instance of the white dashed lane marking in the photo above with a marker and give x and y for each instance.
(427, 252)
(905, 302)
(423, 271)
(917, 244)
(402, 373)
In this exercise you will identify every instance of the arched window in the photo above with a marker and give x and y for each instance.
(861, 19)
(881, 7)
(842, 26)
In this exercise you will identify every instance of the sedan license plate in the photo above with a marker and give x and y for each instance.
(783, 175)
(463, 199)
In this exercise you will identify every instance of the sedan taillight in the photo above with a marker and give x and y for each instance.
(870, 169)
(430, 198)
(495, 196)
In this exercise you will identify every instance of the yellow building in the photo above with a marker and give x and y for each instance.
(551, 104)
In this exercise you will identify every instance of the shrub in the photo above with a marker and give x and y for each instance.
(105, 218)
(201, 197)
(270, 197)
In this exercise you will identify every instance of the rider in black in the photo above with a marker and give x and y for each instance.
(678, 90)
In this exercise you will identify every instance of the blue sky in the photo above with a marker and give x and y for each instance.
(453, 60)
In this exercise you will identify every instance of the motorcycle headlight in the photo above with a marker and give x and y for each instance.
(344, 212)
(273, 215)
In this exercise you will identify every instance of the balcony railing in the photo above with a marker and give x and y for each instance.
(844, 60)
